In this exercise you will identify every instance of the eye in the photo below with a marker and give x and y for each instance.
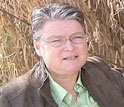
(56, 40)
(78, 37)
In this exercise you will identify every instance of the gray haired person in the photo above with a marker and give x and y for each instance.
(65, 75)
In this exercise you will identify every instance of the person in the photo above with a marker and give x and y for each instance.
(65, 75)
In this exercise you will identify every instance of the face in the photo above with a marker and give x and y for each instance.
(65, 59)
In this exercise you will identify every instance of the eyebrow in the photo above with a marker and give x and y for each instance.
(55, 37)
(61, 36)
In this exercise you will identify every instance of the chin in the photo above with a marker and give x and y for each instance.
(72, 69)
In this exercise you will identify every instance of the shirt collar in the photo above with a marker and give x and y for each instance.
(79, 82)
(57, 91)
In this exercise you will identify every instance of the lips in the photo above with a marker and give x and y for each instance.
(70, 58)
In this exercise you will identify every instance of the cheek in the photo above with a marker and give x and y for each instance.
(44, 53)
(84, 49)
(84, 52)
(50, 55)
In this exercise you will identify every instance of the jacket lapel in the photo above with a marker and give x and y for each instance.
(98, 80)
(45, 92)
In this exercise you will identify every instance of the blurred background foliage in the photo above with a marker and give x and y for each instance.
(105, 29)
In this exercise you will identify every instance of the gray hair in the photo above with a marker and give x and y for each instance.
(54, 11)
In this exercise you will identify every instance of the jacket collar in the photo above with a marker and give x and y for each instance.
(40, 81)
(38, 75)
(98, 78)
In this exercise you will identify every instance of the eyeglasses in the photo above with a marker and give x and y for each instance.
(59, 40)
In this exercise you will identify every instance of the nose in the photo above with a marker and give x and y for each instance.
(69, 46)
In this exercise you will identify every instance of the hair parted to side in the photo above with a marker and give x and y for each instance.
(54, 11)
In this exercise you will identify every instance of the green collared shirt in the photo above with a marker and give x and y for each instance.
(64, 99)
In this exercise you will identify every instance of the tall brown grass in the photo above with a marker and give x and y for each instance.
(105, 27)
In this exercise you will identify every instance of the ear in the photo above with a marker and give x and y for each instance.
(87, 38)
(37, 48)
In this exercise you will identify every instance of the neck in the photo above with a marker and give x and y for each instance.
(66, 81)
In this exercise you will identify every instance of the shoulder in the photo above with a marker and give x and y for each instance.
(96, 62)
(19, 86)
(99, 62)
(98, 66)
(15, 87)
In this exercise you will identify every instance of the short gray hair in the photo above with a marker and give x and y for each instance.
(54, 11)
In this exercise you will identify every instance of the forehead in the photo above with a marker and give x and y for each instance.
(61, 27)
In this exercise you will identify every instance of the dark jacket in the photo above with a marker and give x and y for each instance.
(104, 84)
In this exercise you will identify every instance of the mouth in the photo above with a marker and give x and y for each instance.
(70, 58)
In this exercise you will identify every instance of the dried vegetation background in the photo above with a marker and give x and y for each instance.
(105, 26)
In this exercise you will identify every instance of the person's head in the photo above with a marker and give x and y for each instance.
(59, 37)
